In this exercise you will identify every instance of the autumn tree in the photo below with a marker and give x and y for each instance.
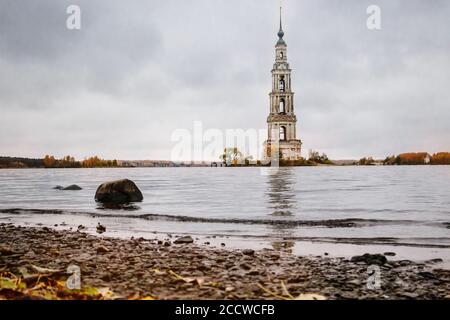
(414, 158)
(441, 158)
(49, 161)
(231, 156)
(96, 162)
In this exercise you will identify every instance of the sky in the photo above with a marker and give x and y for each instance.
(137, 71)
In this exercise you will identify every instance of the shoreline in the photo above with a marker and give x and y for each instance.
(165, 270)
(121, 227)
(317, 165)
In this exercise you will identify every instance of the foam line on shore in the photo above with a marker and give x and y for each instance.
(330, 223)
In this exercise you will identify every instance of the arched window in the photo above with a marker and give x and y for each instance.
(281, 54)
(282, 106)
(281, 85)
(282, 133)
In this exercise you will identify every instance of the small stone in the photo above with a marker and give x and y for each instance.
(438, 260)
(248, 252)
(55, 252)
(184, 240)
(390, 254)
(31, 254)
(102, 249)
(5, 251)
(410, 295)
(404, 263)
(253, 272)
(167, 244)
(100, 229)
(245, 266)
(222, 244)
(355, 282)
(106, 277)
(427, 275)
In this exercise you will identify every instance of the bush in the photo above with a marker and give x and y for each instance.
(315, 157)
(366, 161)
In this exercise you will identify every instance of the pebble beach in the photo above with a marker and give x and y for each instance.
(185, 269)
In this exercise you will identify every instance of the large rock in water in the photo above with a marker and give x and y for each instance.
(118, 192)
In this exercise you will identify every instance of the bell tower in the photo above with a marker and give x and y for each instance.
(282, 121)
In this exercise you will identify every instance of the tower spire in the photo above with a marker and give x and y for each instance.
(281, 32)
(281, 26)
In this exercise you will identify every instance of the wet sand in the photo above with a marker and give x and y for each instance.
(165, 270)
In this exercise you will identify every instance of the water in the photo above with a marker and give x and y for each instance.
(311, 208)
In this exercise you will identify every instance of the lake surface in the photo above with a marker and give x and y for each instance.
(311, 209)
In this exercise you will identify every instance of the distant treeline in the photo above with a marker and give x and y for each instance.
(13, 162)
(70, 162)
(419, 158)
(52, 162)
(230, 157)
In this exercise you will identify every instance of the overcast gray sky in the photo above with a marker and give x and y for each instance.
(138, 70)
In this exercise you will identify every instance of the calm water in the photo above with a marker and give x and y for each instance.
(396, 206)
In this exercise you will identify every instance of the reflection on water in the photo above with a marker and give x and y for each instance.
(281, 202)
(280, 194)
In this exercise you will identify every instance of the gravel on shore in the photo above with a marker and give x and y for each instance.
(165, 270)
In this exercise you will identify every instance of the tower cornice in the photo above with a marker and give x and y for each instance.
(282, 93)
(276, 117)
(281, 71)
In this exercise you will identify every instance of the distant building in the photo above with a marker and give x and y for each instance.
(282, 121)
